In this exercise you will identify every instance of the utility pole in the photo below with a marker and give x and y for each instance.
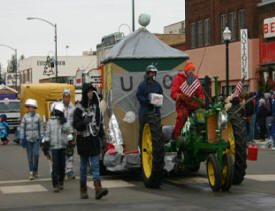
(56, 63)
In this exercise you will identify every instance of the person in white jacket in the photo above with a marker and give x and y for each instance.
(57, 137)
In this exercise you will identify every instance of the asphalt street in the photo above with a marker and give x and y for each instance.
(127, 192)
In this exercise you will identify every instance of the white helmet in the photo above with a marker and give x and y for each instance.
(151, 68)
(66, 92)
(58, 106)
(31, 102)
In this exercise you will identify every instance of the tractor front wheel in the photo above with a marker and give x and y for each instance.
(214, 172)
(152, 151)
(227, 171)
(238, 148)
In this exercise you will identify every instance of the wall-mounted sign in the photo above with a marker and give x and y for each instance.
(244, 53)
(269, 27)
(43, 63)
(10, 79)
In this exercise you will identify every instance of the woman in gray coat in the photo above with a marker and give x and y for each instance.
(31, 132)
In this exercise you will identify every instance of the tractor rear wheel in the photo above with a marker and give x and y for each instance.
(214, 172)
(152, 151)
(227, 171)
(239, 149)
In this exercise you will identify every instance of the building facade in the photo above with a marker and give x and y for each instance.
(174, 40)
(107, 42)
(205, 23)
(206, 20)
(35, 69)
(266, 69)
(175, 28)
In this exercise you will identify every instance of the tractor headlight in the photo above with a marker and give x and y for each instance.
(223, 118)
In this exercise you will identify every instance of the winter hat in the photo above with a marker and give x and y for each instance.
(188, 67)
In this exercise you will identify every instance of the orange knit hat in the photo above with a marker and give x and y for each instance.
(188, 67)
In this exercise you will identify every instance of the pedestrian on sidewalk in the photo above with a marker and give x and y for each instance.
(31, 133)
(87, 120)
(57, 137)
(261, 119)
(272, 131)
(250, 112)
(4, 129)
(69, 110)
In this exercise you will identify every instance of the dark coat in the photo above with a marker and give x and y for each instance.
(261, 115)
(86, 145)
(144, 89)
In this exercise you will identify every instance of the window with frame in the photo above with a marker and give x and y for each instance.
(223, 24)
(200, 43)
(206, 31)
(232, 25)
(241, 18)
(193, 35)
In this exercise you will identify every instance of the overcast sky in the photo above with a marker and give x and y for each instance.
(80, 23)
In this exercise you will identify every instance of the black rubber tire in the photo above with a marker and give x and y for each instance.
(155, 179)
(240, 164)
(228, 178)
(212, 158)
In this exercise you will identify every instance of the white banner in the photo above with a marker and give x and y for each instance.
(244, 53)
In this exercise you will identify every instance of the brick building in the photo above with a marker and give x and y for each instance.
(205, 22)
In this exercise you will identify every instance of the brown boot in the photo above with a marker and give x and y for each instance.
(99, 191)
(83, 190)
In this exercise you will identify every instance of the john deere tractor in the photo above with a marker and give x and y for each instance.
(210, 134)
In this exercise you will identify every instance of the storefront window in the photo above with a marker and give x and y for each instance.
(193, 35)
(206, 31)
(241, 17)
(200, 43)
(223, 24)
(232, 25)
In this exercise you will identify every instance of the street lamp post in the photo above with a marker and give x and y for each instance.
(15, 55)
(133, 15)
(55, 40)
(227, 39)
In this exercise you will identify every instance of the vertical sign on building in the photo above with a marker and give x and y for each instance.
(244, 53)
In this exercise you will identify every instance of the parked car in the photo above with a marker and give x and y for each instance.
(12, 110)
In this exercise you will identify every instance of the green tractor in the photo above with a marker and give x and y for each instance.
(210, 134)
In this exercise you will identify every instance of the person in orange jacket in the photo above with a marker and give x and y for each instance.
(184, 104)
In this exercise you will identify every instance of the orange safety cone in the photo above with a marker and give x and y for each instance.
(252, 153)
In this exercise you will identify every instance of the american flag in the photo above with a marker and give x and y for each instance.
(190, 85)
(238, 89)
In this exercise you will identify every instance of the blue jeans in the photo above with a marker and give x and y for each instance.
(84, 161)
(58, 164)
(252, 125)
(268, 125)
(33, 155)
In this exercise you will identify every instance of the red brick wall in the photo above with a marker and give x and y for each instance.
(200, 9)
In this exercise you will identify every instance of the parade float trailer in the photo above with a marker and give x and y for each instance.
(124, 69)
